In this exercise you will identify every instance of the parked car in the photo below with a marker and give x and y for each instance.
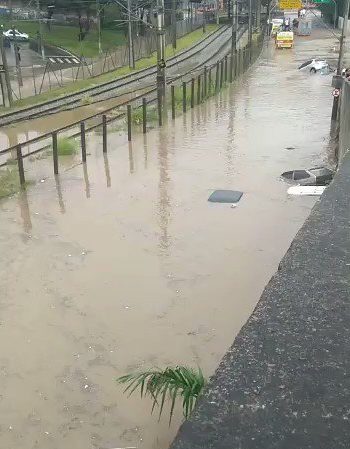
(315, 65)
(15, 34)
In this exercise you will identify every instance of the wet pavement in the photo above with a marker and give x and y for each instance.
(123, 264)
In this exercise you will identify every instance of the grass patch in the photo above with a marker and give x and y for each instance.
(185, 42)
(137, 115)
(66, 36)
(9, 182)
(66, 146)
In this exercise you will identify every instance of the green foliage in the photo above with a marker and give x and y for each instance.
(9, 182)
(137, 115)
(66, 146)
(170, 383)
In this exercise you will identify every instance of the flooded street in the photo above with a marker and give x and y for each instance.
(125, 265)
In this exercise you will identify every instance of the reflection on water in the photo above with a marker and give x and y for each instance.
(25, 211)
(86, 180)
(59, 194)
(107, 171)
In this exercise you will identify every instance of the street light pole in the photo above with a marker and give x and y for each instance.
(6, 70)
(130, 39)
(234, 35)
(160, 54)
(341, 55)
(335, 14)
(42, 49)
(98, 11)
(173, 22)
(250, 28)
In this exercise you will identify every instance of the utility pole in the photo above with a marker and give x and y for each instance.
(98, 11)
(173, 21)
(130, 39)
(6, 69)
(204, 18)
(250, 27)
(42, 49)
(160, 53)
(341, 55)
(217, 12)
(234, 34)
(17, 58)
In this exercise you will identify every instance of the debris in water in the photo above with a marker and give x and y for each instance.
(306, 190)
(225, 196)
(42, 180)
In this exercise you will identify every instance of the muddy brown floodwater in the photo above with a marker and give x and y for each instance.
(125, 265)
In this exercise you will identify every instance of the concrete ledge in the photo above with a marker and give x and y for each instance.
(285, 382)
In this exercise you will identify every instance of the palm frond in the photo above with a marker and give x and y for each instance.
(169, 383)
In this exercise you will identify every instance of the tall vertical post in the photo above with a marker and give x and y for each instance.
(173, 22)
(104, 133)
(130, 39)
(341, 56)
(20, 165)
(205, 85)
(17, 58)
(184, 97)
(98, 16)
(198, 89)
(192, 93)
(234, 29)
(217, 77)
(144, 115)
(173, 114)
(221, 73)
(6, 70)
(83, 141)
(128, 107)
(160, 53)
(42, 49)
(55, 153)
(250, 28)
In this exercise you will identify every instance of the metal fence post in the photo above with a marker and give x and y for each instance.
(225, 62)
(192, 92)
(221, 73)
(160, 113)
(198, 89)
(83, 141)
(173, 111)
(209, 82)
(144, 115)
(205, 85)
(20, 165)
(55, 153)
(217, 77)
(128, 107)
(184, 99)
(104, 133)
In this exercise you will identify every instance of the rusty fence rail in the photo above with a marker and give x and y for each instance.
(194, 89)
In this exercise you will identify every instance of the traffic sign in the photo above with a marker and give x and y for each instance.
(290, 4)
(336, 93)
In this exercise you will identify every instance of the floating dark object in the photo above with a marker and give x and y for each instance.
(225, 196)
(318, 176)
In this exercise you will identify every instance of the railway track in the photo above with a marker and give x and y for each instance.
(106, 90)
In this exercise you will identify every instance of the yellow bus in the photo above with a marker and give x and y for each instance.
(284, 39)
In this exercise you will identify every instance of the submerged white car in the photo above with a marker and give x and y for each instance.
(315, 65)
(16, 35)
